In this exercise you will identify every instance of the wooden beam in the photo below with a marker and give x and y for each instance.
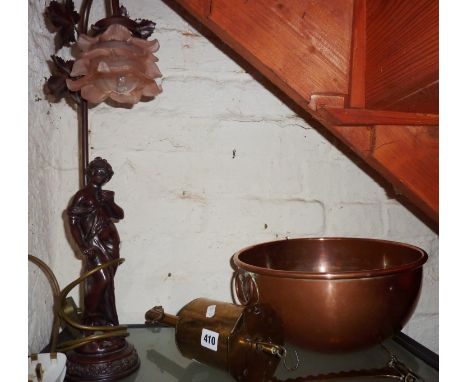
(407, 156)
(305, 48)
(410, 157)
(349, 117)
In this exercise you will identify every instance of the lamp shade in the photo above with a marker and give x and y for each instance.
(115, 65)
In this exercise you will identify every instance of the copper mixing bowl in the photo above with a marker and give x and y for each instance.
(333, 294)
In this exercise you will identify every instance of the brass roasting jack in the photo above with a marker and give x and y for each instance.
(246, 341)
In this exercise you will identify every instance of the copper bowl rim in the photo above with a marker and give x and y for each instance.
(368, 273)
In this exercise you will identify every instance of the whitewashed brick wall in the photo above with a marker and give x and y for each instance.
(213, 164)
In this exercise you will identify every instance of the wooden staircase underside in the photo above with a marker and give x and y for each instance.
(366, 69)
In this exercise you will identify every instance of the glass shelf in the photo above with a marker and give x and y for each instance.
(161, 361)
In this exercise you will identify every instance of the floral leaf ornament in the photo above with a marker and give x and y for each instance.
(141, 28)
(144, 28)
(115, 65)
(56, 84)
(63, 17)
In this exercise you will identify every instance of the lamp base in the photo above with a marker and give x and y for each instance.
(102, 366)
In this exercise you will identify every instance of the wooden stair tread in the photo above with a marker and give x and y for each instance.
(348, 116)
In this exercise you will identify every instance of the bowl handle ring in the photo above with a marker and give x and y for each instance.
(246, 288)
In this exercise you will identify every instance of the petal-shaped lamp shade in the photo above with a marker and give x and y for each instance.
(115, 65)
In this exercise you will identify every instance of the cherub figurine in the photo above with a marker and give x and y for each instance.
(91, 213)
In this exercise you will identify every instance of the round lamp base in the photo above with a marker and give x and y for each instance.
(102, 366)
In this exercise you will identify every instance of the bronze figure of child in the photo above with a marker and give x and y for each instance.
(92, 213)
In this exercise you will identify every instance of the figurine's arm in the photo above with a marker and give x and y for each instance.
(74, 219)
(115, 211)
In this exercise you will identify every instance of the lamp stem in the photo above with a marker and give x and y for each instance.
(115, 8)
(84, 12)
(84, 151)
(84, 140)
(83, 28)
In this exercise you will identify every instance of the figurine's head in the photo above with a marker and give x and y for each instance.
(99, 171)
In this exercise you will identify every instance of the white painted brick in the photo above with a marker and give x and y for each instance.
(432, 271)
(251, 138)
(425, 329)
(185, 53)
(184, 257)
(203, 97)
(297, 136)
(40, 302)
(168, 215)
(282, 217)
(159, 12)
(348, 182)
(354, 219)
(429, 299)
(404, 223)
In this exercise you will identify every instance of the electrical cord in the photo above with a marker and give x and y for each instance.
(59, 310)
(56, 293)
